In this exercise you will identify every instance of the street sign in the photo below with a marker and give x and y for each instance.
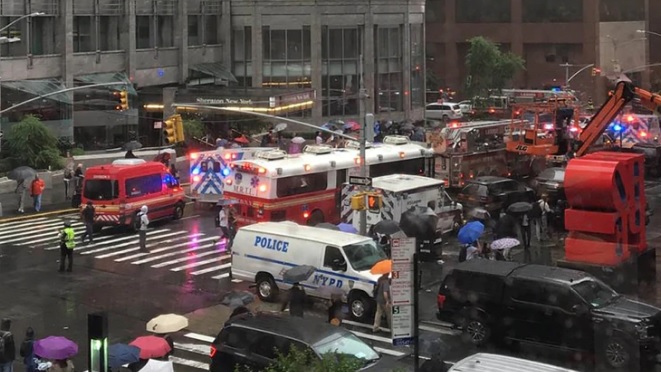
(362, 181)
(158, 125)
(401, 291)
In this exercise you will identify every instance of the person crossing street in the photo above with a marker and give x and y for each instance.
(67, 244)
(88, 219)
(143, 221)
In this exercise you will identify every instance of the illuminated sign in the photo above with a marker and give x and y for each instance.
(223, 101)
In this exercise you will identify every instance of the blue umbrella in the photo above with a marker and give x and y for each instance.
(347, 227)
(121, 354)
(470, 232)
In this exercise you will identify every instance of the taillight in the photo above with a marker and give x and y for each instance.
(212, 352)
(440, 301)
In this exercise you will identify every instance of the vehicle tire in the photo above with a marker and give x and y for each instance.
(178, 212)
(266, 288)
(476, 330)
(316, 218)
(616, 353)
(360, 306)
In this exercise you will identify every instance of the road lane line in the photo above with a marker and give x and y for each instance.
(211, 269)
(184, 259)
(204, 262)
(221, 276)
(193, 348)
(22, 222)
(199, 337)
(159, 257)
(95, 244)
(157, 234)
(79, 234)
(30, 234)
(8, 230)
(190, 363)
(149, 246)
(53, 236)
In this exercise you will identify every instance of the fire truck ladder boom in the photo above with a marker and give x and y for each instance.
(624, 93)
(482, 124)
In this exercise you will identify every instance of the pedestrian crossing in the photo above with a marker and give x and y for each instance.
(175, 249)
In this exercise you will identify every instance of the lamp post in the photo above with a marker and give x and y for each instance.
(648, 32)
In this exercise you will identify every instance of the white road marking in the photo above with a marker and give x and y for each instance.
(8, 230)
(199, 337)
(149, 246)
(189, 363)
(204, 262)
(98, 244)
(237, 281)
(184, 259)
(210, 269)
(194, 348)
(159, 257)
(221, 276)
(156, 233)
(22, 222)
(78, 231)
(30, 234)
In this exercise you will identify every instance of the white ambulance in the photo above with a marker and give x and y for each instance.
(262, 252)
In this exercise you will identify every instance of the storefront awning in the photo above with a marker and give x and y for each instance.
(215, 69)
(40, 88)
(110, 77)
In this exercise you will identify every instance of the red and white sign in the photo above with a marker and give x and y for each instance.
(401, 290)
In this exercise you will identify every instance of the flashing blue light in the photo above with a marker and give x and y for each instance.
(226, 172)
(556, 89)
(196, 171)
(617, 127)
(160, 72)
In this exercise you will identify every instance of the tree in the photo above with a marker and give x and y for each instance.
(488, 67)
(31, 143)
(305, 361)
(193, 128)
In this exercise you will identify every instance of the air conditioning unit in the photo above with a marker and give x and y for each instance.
(128, 162)
(317, 149)
(356, 145)
(396, 140)
(271, 155)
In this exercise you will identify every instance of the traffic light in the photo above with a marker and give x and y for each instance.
(123, 97)
(358, 202)
(170, 131)
(374, 202)
(596, 71)
(179, 128)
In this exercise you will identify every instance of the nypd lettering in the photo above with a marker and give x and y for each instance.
(272, 244)
(324, 280)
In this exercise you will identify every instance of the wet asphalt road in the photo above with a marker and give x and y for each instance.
(185, 274)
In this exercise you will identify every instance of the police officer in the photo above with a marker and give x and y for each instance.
(67, 243)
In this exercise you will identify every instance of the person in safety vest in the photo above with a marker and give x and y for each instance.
(67, 243)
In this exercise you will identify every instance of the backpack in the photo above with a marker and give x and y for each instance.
(536, 211)
(5, 339)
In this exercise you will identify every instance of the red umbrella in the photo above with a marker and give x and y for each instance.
(242, 139)
(151, 346)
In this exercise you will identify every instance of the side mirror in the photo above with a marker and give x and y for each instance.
(339, 265)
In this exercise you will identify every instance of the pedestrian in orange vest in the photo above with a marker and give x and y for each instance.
(36, 190)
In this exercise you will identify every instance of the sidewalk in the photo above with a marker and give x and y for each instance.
(52, 201)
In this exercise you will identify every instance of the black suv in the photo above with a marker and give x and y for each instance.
(496, 300)
(252, 340)
(494, 194)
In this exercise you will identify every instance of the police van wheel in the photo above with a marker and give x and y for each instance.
(267, 290)
(360, 306)
(178, 212)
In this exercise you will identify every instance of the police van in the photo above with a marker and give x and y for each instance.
(262, 252)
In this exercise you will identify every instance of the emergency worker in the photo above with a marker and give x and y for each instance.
(67, 244)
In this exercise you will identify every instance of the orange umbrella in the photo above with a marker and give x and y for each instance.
(382, 267)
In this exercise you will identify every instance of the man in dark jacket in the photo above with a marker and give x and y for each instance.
(88, 220)
(7, 347)
(27, 351)
(296, 301)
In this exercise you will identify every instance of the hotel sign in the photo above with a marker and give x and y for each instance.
(293, 98)
(223, 101)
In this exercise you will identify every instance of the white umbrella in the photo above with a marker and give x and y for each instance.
(157, 366)
(298, 140)
(504, 243)
(167, 323)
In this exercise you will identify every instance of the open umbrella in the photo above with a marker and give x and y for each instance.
(151, 346)
(480, 214)
(298, 274)
(519, 207)
(22, 173)
(132, 145)
(236, 299)
(351, 125)
(386, 227)
(382, 267)
(55, 347)
(504, 243)
(298, 140)
(120, 354)
(280, 127)
(470, 232)
(241, 139)
(327, 225)
(347, 227)
(167, 323)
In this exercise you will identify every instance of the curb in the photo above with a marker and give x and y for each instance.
(37, 215)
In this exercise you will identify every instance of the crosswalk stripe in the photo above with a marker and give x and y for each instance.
(183, 259)
(149, 233)
(159, 257)
(221, 276)
(7, 225)
(193, 348)
(149, 246)
(11, 230)
(78, 230)
(204, 262)
(78, 235)
(211, 269)
(199, 337)
(190, 363)
(31, 233)
(98, 242)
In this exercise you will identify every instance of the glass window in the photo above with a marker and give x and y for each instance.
(193, 30)
(417, 49)
(211, 29)
(296, 185)
(363, 256)
(264, 345)
(527, 291)
(165, 37)
(294, 44)
(435, 11)
(235, 337)
(346, 344)
(332, 254)
(335, 45)
(19, 30)
(109, 34)
(278, 45)
(621, 11)
(43, 35)
(82, 34)
(143, 185)
(411, 166)
(340, 83)
(286, 59)
(483, 11)
(552, 11)
(595, 292)
(142, 32)
(101, 189)
(389, 69)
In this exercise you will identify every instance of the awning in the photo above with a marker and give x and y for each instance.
(215, 69)
(41, 88)
(109, 77)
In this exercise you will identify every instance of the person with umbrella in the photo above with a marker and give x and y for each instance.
(295, 300)
(21, 190)
(59, 350)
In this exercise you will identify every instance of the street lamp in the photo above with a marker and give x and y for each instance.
(648, 32)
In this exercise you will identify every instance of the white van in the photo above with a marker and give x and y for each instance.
(264, 251)
(485, 362)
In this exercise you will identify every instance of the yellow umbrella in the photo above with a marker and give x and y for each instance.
(167, 323)
(382, 267)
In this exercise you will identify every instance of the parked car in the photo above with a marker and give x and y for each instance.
(551, 181)
(494, 194)
(485, 362)
(443, 111)
(466, 107)
(252, 340)
(569, 309)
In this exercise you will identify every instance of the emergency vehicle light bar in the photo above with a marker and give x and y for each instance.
(317, 149)
(355, 145)
(271, 155)
(396, 140)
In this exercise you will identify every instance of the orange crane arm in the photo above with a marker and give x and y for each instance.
(624, 93)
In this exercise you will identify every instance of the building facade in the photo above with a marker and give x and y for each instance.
(547, 34)
(354, 56)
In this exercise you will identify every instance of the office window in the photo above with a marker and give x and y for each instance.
(17, 30)
(483, 11)
(82, 34)
(44, 29)
(538, 11)
(165, 28)
(142, 32)
(242, 55)
(417, 49)
(388, 53)
(193, 30)
(286, 56)
(621, 11)
(109, 32)
(435, 11)
(340, 56)
(202, 29)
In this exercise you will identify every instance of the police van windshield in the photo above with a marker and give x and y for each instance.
(362, 256)
(101, 189)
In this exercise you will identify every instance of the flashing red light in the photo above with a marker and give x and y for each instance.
(402, 155)
(194, 155)
(548, 126)
(306, 214)
(196, 178)
(357, 161)
(440, 301)
(227, 156)
(643, 133)
(491, 110)
(228, 181)
(262, 188)
(630, 118)
(454, 125)
(573, 129)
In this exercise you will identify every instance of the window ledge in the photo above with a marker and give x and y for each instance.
(153, 49)
(205, 46)
(99, 52)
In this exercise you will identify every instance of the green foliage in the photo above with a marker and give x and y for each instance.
(488, 67)
(77, 151)
(31, 143)
(305, 361)
(193, 128)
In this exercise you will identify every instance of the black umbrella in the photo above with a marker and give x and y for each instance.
(22, 173)
(132, 145)
(480, 214)
(519, 207)
(386, 227)
(298, 274)
(412, 225)
(236, 299)
(329, 226)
